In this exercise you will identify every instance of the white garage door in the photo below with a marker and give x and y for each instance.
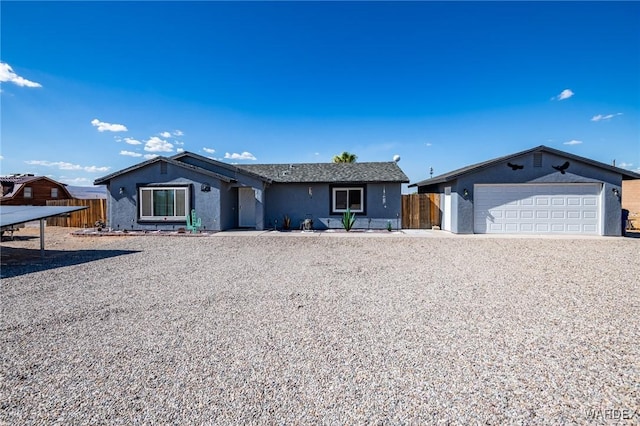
(537, 209)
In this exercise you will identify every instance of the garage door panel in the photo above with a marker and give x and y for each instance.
(537, 208)
(526, 214)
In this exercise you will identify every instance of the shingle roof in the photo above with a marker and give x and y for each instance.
(329, 172)
(446, 177)
(14, 183)
(288, 173)
(19, 178)
(105, 179)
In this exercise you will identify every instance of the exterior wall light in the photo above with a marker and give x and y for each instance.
(465, 193)
(121, 190)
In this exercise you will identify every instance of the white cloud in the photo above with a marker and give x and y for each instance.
(155, 144)
(179, 150)
(150, 156)
(601, 117)
(625, 165)
(62, 165)
(244, 156)
(209, 150)
(132, 141)
(565, 94)
(178, 143)
(59, 164)
(8, 75)
(96, 169)
(573, 142)
(108, 127)
(165, 134)
(80, 181)
(428, 144)
(1, 157)
(178, 133)
(130, 154)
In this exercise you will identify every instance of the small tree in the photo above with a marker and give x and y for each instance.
(345, 157)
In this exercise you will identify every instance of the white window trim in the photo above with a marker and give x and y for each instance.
(345, 188)
(174, 218)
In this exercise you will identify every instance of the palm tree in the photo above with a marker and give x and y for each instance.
(345, 157)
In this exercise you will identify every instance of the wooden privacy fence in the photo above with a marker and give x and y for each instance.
(420, 211)
(82, 219)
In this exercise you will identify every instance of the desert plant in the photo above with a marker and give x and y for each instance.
(389, 227)
(286, 222)
(348, 219)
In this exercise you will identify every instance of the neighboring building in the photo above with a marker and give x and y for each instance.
(537, 191)
(631, 201)
(159, 193)
(27, 189)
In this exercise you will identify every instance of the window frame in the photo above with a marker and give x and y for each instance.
(164, 218)
(54, 192)
(354, 187)
(27, 192)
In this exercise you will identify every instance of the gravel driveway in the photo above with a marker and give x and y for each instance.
(310, 329)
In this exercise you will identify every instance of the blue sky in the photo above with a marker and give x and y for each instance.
(89, 88)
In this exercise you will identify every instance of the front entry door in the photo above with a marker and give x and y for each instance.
(246, 208)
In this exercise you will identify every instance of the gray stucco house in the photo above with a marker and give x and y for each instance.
(538, 191)
(159, 193)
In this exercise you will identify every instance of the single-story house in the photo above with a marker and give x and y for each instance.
(31, 190)
(160, 193)
(538, 191)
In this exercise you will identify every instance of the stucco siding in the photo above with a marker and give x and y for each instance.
(123, 208)
(501, 173)
(302, 201)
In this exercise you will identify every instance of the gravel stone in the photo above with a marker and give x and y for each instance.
(306, 329)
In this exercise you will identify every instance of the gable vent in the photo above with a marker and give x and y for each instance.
(163, 168)
(537, 159)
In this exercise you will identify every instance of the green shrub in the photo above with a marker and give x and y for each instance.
(348, 219)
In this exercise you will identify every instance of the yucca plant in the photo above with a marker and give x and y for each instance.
(348, 219)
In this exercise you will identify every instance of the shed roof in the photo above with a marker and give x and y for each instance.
(447, 177)
(329, 172)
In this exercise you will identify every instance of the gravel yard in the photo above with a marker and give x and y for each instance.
(309, 329)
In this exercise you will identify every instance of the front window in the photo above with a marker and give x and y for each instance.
(351, 198)
(54, 192)
(164, 203)
(28, 193)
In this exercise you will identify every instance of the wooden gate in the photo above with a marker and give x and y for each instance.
(82, 219)
(420, 211)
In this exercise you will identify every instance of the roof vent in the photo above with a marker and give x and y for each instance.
(537, 159)
(285, 173)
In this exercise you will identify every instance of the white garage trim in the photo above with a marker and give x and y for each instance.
(565, 208)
